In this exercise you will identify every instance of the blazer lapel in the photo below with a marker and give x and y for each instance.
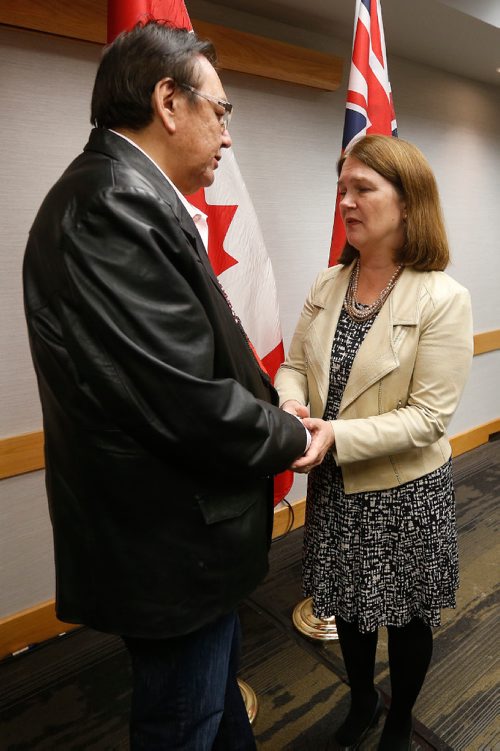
(321, 332)
(378, 354)
(374, 359)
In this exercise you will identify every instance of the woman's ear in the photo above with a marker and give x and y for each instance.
(163, 102)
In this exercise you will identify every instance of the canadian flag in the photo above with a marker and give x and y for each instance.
(235, 246)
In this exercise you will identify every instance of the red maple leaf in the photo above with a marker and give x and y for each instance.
(219, 218)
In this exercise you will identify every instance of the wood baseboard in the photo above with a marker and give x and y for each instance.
(471, 439)
(20, 454)
(20, 631)
(486, 341)
(24, 453)
(26, 628)
(287, 519)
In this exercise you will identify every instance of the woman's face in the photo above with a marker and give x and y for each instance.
(371, 208)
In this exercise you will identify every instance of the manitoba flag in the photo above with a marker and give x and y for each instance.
(369, 105)
(235, 246)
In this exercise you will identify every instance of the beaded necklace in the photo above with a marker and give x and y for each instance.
(365, 312)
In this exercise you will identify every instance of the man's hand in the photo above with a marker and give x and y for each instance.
(295, 408)
(323, 439)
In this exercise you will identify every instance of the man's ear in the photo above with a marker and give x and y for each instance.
(163, 102)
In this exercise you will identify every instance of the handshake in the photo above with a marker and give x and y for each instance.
(322, 437)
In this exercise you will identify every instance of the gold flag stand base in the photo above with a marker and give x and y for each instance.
(322, 629)
(250, 699)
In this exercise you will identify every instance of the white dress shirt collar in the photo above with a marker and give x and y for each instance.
(198, 217)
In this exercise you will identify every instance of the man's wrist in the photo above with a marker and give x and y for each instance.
(308, 435)
(309, 439)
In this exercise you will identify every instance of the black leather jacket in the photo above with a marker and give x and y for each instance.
(160, 434)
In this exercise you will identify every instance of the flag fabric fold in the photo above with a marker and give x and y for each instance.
(236, 246)
(123, 14)
(369, 103)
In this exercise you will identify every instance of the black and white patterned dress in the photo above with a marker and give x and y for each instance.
(379, 557)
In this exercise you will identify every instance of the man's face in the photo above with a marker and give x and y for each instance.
(200, 136)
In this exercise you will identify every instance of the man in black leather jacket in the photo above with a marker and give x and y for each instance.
(161, 430)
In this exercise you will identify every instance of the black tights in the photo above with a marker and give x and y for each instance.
(410, 652)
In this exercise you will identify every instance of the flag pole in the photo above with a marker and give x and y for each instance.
(249, 699)
(319, 629)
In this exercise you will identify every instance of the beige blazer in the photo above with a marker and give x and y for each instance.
(405, 382)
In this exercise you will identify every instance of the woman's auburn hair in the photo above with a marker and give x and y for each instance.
(403, 164)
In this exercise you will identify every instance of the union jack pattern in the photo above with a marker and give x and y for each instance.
(369, 104)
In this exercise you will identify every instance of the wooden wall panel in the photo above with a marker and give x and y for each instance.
(486, 341)
(261, 56)
(238, 51)
(20, 454)
(83, 19)
(29, 627)
(471, 439)
(39, 623)
(24, 453)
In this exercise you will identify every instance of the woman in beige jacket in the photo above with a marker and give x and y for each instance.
(381, 352)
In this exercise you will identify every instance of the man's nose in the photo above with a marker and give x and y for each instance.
(227, 141)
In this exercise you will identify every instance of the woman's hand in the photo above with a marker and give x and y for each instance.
(295, 408)
(323, 439)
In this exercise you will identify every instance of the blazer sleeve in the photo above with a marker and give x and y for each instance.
(442, 364)
(142, 344)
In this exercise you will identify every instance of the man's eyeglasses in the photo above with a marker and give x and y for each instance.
(224, 117)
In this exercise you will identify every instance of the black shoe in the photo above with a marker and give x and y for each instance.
(350, 742)
(402, 744)
(390, 741)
